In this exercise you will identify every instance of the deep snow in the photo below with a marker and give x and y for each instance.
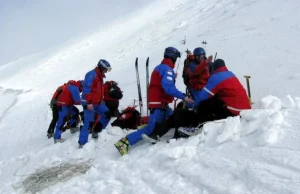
(257, 153)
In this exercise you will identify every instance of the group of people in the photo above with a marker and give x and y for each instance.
(212, 92)
(99, 100)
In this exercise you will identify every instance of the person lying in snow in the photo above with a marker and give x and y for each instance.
(161, 92)
(65, 97)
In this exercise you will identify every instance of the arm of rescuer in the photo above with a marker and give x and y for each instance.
(168, 84)
(75, 94)
(87, 87)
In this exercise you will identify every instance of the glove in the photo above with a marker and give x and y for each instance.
(189, 105)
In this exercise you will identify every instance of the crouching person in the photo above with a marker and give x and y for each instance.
(221, 97)
(161, 92)
(68, 96)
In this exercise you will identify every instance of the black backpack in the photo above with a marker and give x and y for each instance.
(185, 72)
(114, 91)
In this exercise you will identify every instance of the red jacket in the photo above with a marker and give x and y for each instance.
(93, 87)
(162, 88)
(228, 89)
(198, 74)
(68, 94)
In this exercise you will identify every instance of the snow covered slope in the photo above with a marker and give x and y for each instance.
(257, 153)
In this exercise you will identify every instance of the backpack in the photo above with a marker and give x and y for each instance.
(129, 118)
(185, 72)
(113, 90)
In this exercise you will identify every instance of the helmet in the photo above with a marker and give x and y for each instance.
(103, 64)
(172, 53)
(199, 51)
(217, 64)
(199, 54)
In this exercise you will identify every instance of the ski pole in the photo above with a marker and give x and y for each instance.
(147, 83)
(215, 56)
(183, 42)
(248, 87)
(175, 103)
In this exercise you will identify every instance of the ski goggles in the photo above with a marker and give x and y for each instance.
(199, 57)
(177, 54)
(109, 69)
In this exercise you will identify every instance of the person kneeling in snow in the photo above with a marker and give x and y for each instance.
(221, 97)
(68, 96)
(161, 92)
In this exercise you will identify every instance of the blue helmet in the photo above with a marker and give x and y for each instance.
(199, 51)
(172, 53)
(103, 64)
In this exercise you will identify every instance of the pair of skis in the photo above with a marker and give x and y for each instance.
(139, 83)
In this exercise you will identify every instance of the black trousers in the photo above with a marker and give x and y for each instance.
(212, 109)
(54, 120)
(208, 110)
(113, 106)
(55, 114)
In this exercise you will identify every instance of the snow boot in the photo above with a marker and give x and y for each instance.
(95, 135)
(81, 145)
(122, 145)
(49, 135)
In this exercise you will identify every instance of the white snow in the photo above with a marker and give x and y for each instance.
(256, 153)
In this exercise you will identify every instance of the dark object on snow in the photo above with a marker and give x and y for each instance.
(112, 91)
(113, 106)
(54, 120)
(128, 119)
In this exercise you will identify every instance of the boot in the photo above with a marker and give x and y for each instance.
(49, 135)
(81, 145)
(122, 145)
(95, 135)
